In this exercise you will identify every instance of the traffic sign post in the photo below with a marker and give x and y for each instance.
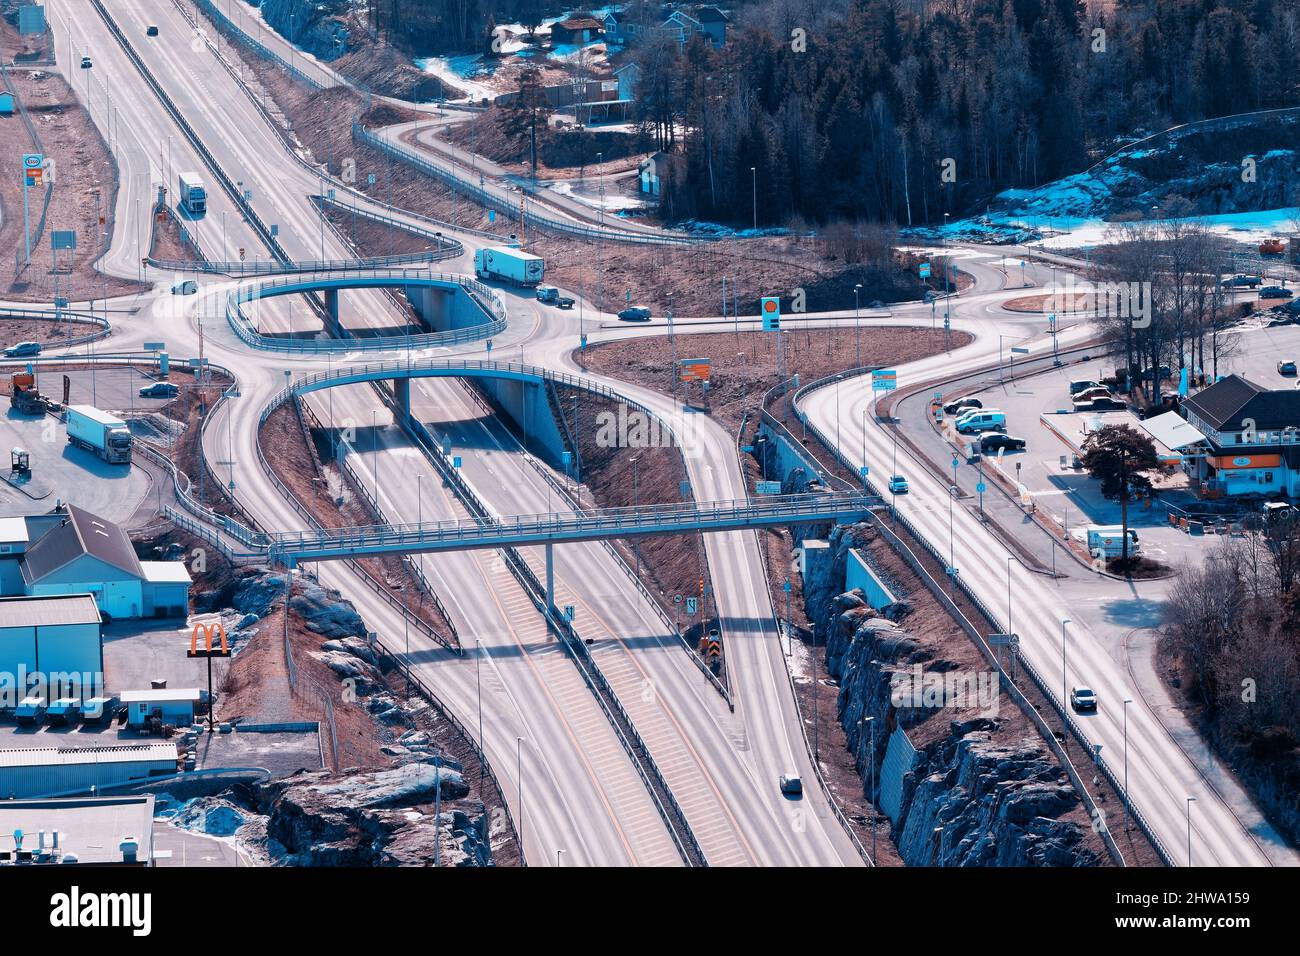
(32, 163)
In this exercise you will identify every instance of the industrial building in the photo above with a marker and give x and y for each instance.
(54, 771)
(72, 551)
(87, 831)
(52, 635)
(1250, 439)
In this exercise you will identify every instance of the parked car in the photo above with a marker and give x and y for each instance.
(1239, 281)
(897, 485)
(1165, 372)
(791, 784)
(1285, 367)
(86, 64)
(1275, 292)
(564, 302)
(1082, 698)
(151, 30)
(636, 313)
(1082, 384)
(969, 401)
(999, 442)
(1102, 405)
(1088, 394)
(981, 420)
(160, 390)
(22, 349)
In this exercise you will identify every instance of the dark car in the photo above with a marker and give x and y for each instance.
(23, 349)
(86, 63)
(970, 401)
(564, 302)
(998, 442)
(1165, 372)
(1238, 281)
(1104, 405)
(159, 390)
(1275, 292)
(636, 313)
(151, 31)
(1285, 368)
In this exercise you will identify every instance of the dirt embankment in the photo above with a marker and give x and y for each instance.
(84, 192)
(504, 136)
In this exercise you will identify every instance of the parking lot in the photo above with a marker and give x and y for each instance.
(61, 472)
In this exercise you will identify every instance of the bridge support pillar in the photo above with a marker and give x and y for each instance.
(402, 396)
(550, 579)
(332, 313)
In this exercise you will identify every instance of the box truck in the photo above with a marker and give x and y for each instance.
(509, 264)
(99, 432)
(193, 198)
(1107, 541)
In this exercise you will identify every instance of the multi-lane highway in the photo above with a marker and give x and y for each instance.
(568, 779)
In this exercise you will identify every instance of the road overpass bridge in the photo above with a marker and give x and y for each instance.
(458, 308)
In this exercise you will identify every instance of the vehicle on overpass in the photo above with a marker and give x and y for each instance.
(23, 349)
(103, 435)
(1083, 698)
(86, 63)
(897, 485)
(192, 195)
(509, 264)
(791, 784)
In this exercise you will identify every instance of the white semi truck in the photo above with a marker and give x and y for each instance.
(509, 264)
(104, 435)
(192, 197)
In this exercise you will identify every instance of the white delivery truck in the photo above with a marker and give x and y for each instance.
(193, 198)
(509, 264)
(99, 432)
(1107, 541)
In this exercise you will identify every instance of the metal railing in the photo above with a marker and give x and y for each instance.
(261, 267)
(59, 316)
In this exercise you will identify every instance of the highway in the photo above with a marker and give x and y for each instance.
(576, 790)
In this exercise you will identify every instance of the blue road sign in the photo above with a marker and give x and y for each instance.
(924, 270)
(981, 487)
(692, 605)
(455, 462)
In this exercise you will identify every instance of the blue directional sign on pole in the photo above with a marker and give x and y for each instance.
(492, 215)
(275, 230)
(455, 462)
(884, 380)
(770, 308)
(924, 270)
(63, 239)
(692, 605)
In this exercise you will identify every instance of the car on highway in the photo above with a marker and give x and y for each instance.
(1000, 442)
(897, 485)
(151, 30)
(188, 287)
(981, 420)
(86, 63)
(159, 390)
(1083, 698)
(1285, 367)
(1240, 281)
(565, 302)
(635, 313)
(1275, 292)
(23, 349)
(791, 784)
(968, 401)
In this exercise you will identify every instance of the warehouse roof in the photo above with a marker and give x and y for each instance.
(48, 611)
(165, 572)
(154, 751)
(79, 534)
(13, 530)
(92, 828)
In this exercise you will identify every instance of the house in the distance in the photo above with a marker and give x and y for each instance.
(576, 30)
(1251, 438)
(628, 76)
(713, 23)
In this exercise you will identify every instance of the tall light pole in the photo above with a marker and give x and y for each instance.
(1190, 801)
(1010, 558)
(753, 177)
(636, 546)
(519, 778)
(857, 322)
(1065, 697)
(478, 692)
(1126, 799)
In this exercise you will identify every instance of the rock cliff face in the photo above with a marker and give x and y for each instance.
(972, 798)
(317, 26)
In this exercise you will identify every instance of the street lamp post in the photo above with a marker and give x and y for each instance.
(1190, 801)
(1065, 697)
(857, 323)
(1010, 558)
(1126, 798)
(636, 547)
(519, 778)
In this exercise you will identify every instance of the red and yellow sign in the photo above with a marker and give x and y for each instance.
(208, 630)
(695, 370)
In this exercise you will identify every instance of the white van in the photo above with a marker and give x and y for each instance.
(1107, 541)
(188, 287)
(981, 420)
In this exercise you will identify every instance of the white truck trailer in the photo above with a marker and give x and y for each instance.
(104, 435)
(509, 264)
(192, 196)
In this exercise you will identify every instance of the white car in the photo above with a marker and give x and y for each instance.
(1083, 698)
